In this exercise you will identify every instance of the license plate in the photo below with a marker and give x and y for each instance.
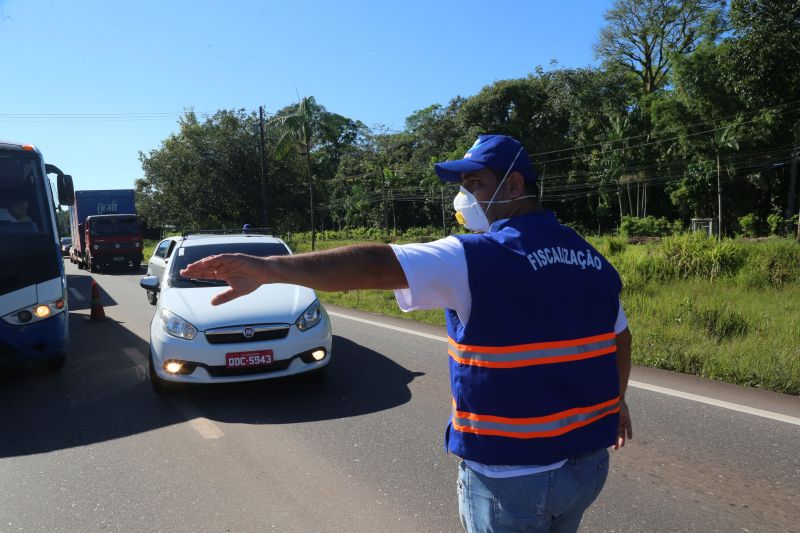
(248, 359)
(119, 258)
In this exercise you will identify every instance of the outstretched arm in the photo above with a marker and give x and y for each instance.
(360, 266)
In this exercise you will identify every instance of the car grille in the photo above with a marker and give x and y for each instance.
(223, 371)
(235, 335)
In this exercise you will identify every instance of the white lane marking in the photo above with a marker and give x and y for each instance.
(205, 427)
(387, 326)
(718, 403)
(75, 294)
(638, 384)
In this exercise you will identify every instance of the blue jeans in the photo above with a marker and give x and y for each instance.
(549, 501)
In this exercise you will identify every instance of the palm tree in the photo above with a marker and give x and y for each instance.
(724, 138)
(295, 130)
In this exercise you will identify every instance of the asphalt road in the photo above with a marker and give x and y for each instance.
(93, 449)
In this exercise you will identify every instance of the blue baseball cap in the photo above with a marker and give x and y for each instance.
(493, 151)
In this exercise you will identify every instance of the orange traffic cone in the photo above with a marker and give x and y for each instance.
(97, 314)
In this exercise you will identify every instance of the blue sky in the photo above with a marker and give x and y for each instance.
(92, 83)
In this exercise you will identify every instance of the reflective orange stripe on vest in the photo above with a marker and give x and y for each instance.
(540, 353)
(532, 428)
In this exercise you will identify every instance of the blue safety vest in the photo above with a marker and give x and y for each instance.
(534, 373)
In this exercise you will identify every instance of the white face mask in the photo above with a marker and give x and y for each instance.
(469, 212)
(468, 209)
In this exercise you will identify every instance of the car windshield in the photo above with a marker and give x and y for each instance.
(114, 226)
(189, 254)
(66, 240)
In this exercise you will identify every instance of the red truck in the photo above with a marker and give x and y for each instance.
(105, 230)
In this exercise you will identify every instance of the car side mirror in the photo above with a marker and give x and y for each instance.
(150, 283)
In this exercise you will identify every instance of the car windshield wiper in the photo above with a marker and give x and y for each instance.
(198, 281)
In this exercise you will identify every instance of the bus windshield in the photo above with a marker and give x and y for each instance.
(27, 231)
(23, 207)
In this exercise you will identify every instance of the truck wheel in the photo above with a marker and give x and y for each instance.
(160, 386)
(90, 266)
(152, 297)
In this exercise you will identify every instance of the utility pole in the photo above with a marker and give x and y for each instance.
(541, 183)
(383, 203)
(719, 199)
(263, 172)
(394, 216)
(790, 203)
(444, 223)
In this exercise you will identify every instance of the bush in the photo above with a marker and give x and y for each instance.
(614, 246)
(697, 255)
(772, 264)
(775, 223)
(649, 226)
(751, 225)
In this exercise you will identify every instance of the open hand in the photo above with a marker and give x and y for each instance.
(241, 272)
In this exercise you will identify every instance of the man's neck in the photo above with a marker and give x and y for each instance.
(526, 207)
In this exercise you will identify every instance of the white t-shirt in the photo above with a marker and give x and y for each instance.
(437, 278)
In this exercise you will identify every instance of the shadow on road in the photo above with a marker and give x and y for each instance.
(358, 381)
(103, 393)
(83, 284)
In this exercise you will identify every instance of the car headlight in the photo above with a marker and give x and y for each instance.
(310, 317)
(176, 326)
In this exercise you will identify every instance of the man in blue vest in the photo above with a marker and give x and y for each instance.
(539, 348)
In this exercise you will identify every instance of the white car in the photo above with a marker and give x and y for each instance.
(277, 330)
(157, 264)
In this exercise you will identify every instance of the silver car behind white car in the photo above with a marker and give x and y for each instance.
(278, 330)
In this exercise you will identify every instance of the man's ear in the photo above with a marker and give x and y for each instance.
(515, 184)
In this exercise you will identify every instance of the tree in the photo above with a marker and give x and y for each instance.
(641, 36)
(207, 174)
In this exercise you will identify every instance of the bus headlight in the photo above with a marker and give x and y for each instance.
(36, 313)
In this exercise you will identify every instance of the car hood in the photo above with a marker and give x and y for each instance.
(269, 304)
